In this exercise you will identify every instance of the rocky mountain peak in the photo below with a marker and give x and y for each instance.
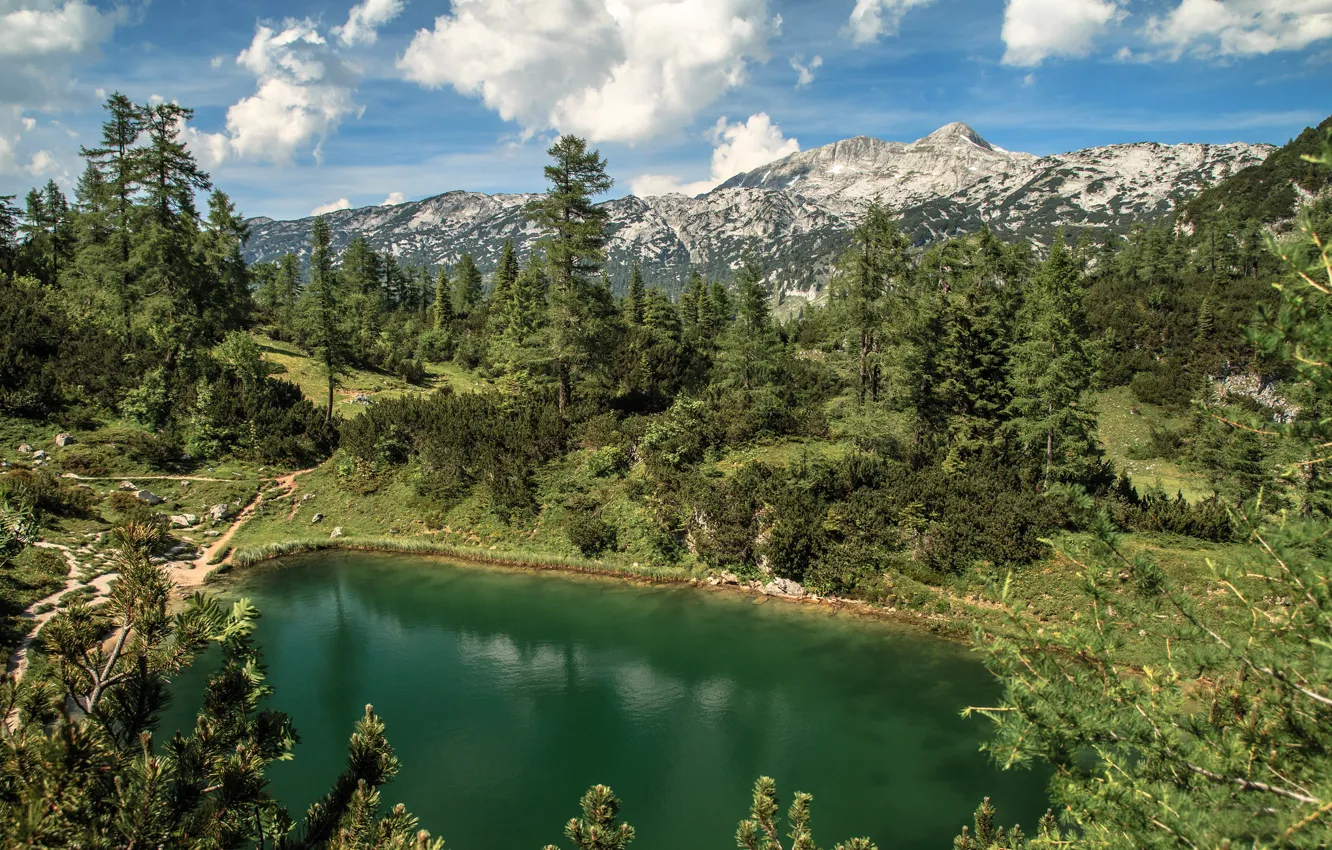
(956, 133)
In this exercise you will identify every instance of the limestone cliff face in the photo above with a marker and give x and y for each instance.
(795, 213)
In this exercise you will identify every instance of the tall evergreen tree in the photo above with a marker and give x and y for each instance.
(120, 172)
(467, 286)
(575, 242)
(443, 312)
(637, 292)
(325, 320)
(1054, 367)
(876, 259)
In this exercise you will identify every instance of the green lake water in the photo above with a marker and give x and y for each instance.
(508, 693)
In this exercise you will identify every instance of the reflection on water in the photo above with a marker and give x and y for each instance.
(507, 694)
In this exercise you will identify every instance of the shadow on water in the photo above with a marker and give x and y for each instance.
(508, 693)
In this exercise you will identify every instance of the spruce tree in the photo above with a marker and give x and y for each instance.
(467, 288)
(443, 312)
(634, 300)
(575, 241)
(876, 259)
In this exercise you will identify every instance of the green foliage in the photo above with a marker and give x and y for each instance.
(599, 827)
(1222, 741)
(589, 533)
(761, 830)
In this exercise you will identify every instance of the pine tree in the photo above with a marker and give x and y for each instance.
(467, 287)
(504, 291)
(575, 241)
(9, 229)
(325, 319)
(599, 827)
(443, 313)
(634, 300)
(750, 346)
(1053, 368)
(1223, 741)
(761, 830)
(876, 259)
(692, 301)
(119, 168)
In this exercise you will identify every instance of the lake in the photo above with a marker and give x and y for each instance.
(508, 693)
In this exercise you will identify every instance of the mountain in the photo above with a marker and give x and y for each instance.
(796, 213)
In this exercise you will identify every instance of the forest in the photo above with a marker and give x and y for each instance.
(933, 420)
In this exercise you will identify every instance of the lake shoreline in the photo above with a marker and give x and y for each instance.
(243, 559)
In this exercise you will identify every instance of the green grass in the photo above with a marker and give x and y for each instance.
(294, 365)
(1122, 430)
(254, 555)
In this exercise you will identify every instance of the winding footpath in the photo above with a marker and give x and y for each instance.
(184, 574)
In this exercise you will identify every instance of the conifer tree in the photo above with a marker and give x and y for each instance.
(599, 827)
(761, 830)
(634, 300)
(575, 241)
(467, 287)
(443, 312)
(504, 291)
(877, 257)
(114, 159)
(9, 228)
(1053, 368)
(692, 301)
(1223, 741)
(325, 321)
(750, 345)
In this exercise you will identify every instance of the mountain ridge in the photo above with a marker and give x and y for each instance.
(797, 212)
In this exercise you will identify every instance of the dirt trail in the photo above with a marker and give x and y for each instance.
(191, 576)
(197, 575)
(101, 586)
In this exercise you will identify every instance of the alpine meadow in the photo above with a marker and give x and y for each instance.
(982, 494)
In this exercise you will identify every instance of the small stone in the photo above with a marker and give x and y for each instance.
(128, 485)
(307, 497)
(150, 497)
(337, 532)
(211, 533)
(219, 512)
(729, 577)
(184, 520)
(25, 449)
(69, 475)
(38, 455)
(316, 518)
(63, 440)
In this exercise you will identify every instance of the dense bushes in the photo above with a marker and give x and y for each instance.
(458, 441)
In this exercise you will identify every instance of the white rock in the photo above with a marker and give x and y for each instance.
(63, 440)
(150, 497)
(184, 520)
(337, 532)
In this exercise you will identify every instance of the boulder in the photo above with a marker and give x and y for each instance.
(184, 520)
(316, 518)
(361, 398)
(69, 475)
(337, 532)
(729, 577)
(150, 497)
(128, 485)
(25, 449)
(63, 440)
(785, 587)
(38, 455)
(219, 512)
(211, 533)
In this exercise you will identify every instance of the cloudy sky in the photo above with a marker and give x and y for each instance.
(305, 104)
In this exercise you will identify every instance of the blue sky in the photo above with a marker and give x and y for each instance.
(303, 104)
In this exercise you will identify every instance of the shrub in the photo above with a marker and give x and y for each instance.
(590, 534)
(608, 461)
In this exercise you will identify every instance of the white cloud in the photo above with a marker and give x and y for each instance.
(805, 73)
(31, 29)
(365, 19)
(1029, 80)
(393, 199)
(738, 148)
(29, 123)
(304, 91)
(871, 19)
(42, 163)
(1240, 27)
(339, 204)
(7, 158)
(217, 62)
(1035, 30)
(612, 70)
